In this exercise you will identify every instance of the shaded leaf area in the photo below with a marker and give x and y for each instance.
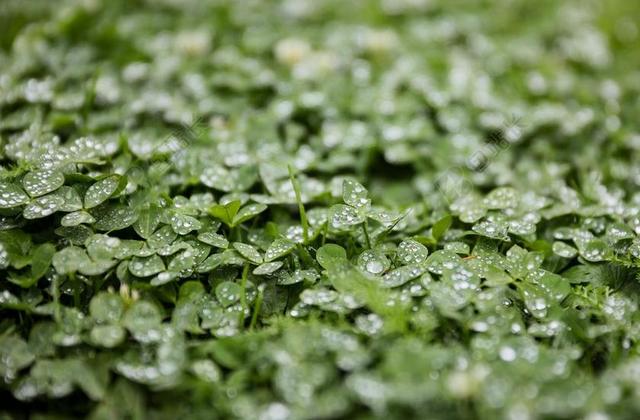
(319, 209)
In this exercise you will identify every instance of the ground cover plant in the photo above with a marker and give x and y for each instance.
(319, 209)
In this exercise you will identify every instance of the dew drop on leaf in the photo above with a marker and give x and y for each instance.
(355, 195)
(228, 293)
(12, 195)
(249, 252)
(100, 191)
(41, 182)
(343, 217)
(278, 248)
(42, 207)
(373, 262)
(77, 218)
(318, 296)
(563, 250)
(182, 224)
(213, 239)
(146, 266)
(412, 252)
(267, 268)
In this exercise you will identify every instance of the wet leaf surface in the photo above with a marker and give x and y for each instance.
(319, 209)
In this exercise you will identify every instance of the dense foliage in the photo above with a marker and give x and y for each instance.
(319, 209)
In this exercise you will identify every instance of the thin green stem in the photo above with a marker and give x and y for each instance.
(325, 230)
(256, 309)
(55, 291)
(76, 290)
(366, 234)
(303, 213)
(243, 293)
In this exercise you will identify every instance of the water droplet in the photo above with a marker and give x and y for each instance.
(228, 293)
(101, 190)
(563, 250)
(42, 207)
(278, 248)
(267, 268)
(146, 266)
(343, 217)
(412, 252)
(373, 262)
(182, 224)
(41, 182)
(249, 252)
(401, 275)
(12, 195)
(370, 324)
(508, 354)
(318, 296)
(593, 250)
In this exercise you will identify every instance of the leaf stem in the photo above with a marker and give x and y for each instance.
(366, 234)
(55, 291)
(243, 293)
(256, 309)
(303, 213)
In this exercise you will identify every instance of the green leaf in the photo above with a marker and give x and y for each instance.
(70, 197)
(213, 239)
(347, 279)
(143, 320)
(11, 196)
(330, 254)
(191, 300)
(501, 198)
(164, 278)
(228, 293)
(343, 217)
(70, 260)
(15, 355)
(162, 237)
(373, 262)
(355, 195)
(108, 336)
(247, 213)
(41, 182)
(298, 276)
(319, 296)
(619, 231)
(563, 250)
(249, 252)
(278, 248)
(42, 257)
(146, 266)
(400, 276)
(114, 217)
(106, 308)
(440, 227)
(103, 247)
(103, 189)
(496, 229)
(593, 250)
(220, 178)
(183, 261)
(77, 218)
(182, 224)
(17, 246)
(225, 213)
(267, 268)
(412, 252)
(43, 207)
(148, 221)
(440, 260)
